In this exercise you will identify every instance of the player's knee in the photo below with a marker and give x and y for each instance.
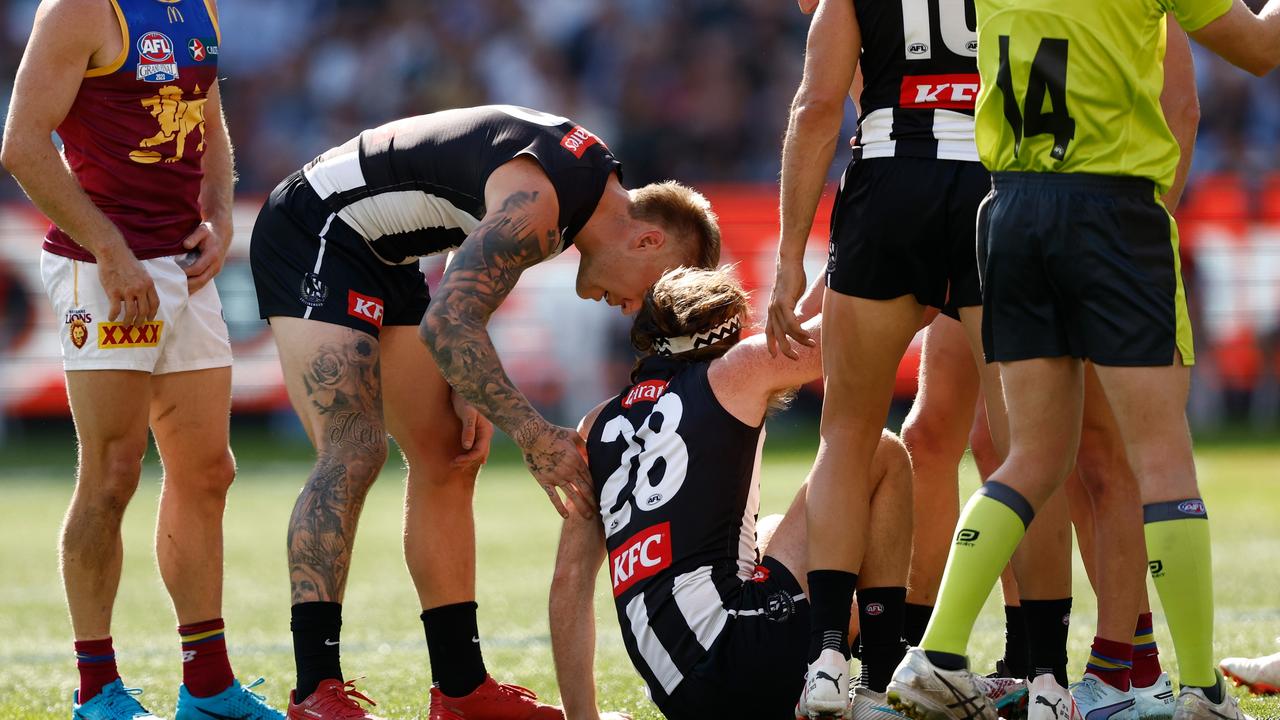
(893, 464)
(929, 440)
(219, 474)
(359, 467)
(984, 450)
(1102, 465)
(109, 474)
(431, 467)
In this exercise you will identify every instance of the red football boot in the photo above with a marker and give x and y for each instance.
(332, 700)
(492, 701)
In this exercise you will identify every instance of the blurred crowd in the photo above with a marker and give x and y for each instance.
(691, 89)
(696, 89)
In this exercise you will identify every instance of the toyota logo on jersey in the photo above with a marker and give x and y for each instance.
(644, 555)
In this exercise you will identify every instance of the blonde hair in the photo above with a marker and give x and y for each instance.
(685, 214)
(687, 301)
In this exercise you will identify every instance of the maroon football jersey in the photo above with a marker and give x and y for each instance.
(134, 137)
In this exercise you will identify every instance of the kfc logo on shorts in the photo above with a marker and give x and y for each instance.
(644, 555)
(114, 335)
(155, 58)
(647, 391)
(578, 140)
(949, 92)
(365, 307)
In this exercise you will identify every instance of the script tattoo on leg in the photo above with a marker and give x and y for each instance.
(343, 384)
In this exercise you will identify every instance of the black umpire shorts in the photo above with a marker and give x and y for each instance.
(905, 226)
(1083, 266)
(756, 668)
(307, 263)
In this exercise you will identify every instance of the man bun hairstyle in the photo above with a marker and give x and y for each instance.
(685, 214)
(708, 306)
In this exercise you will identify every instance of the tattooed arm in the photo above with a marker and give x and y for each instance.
(518, 232)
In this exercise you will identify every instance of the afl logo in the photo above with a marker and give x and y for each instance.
(154, 47)
(1191, 507)
(972, 46)
(875, 609)
(918, 48)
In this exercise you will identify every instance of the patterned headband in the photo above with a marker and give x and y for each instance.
(676, 345)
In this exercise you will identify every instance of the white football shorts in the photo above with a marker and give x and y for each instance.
(187, 334)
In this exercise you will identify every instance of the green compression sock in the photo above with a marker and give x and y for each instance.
(991, 526)
(1182, 568)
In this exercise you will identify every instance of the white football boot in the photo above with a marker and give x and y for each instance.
(1047, 700)
(1096, 699)
(921, 690)
(1261, 675)
(1155, 702)
(1193, 705)
(871, 705)
(826, 689)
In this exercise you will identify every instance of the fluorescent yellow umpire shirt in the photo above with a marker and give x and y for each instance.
(1073, 86)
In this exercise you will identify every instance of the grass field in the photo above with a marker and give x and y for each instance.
(382, 636)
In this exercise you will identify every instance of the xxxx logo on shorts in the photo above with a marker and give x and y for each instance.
(112, 335)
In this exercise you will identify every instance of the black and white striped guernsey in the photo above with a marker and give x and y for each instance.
(677, 480)
(415, 187)
(920, 79)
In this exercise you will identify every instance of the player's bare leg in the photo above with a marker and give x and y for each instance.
(333, 378)
(189, 416)
(1106, 511)
(439, 531)
(1149, 404)
(858, 375)
(1044, 407)
(936, 432)
(110, 412)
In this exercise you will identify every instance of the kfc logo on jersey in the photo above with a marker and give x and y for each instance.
(155, 58)
(647, 391)
(578, 140)
(369, 309)
(947, 92)
(646, 554)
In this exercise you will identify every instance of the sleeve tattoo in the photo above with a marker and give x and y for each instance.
(484, 270)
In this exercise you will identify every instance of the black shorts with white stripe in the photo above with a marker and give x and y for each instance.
(756, 667)
(307, 263)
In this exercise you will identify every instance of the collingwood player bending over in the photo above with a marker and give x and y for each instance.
(714, 628)
(335, 260)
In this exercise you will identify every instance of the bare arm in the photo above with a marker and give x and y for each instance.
(572, 614)
(67, 39)
(217, 192)
(1181, 107)
(808, 148)
(745, 378)
(518, 232)
(1248, 41)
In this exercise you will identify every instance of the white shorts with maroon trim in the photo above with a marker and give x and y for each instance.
(187, 334)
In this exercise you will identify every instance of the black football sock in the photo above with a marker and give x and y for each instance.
(453, 642)
(317, 629)
(1016, 651)
(880, 617)
(830, 607)
(855, 646)
(1047, 624)
(914, 621)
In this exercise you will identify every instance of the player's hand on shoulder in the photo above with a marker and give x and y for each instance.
(557, 457)
(477, 432)
(129, 287)
(783, 326)
(208, 244)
